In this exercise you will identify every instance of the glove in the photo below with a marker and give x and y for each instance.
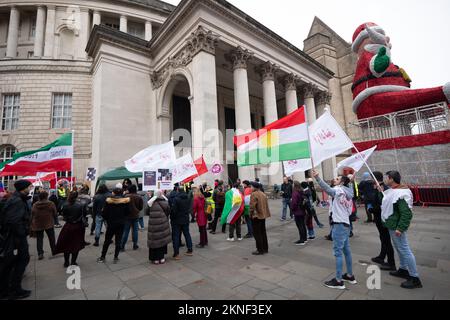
(382, 61)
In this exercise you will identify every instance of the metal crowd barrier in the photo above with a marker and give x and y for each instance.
(431, 194)
(425, 195)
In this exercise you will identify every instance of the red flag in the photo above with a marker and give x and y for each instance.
(201, 167)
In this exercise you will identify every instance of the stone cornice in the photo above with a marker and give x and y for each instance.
(30, 65)
(227, 10)
(102, 32)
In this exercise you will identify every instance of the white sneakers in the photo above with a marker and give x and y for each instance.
(239, 239)
(230, 239)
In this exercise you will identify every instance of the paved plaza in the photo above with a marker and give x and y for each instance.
(228, 271)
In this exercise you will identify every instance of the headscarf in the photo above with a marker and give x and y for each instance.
(158, 195)
(365, 176)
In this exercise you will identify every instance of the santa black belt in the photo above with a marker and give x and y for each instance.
(372, 77)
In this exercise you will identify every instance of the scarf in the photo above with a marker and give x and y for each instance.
(391, 197)
(158, 195)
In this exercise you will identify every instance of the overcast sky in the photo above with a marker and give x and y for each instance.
(419, 29)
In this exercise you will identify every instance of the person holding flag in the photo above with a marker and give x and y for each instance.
(259, 212)
(232, 211)
(341, 206)
(247, 196)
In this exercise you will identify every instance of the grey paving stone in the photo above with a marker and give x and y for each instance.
(206, 290)
(265, 272)
(261, 285)
(268, 296)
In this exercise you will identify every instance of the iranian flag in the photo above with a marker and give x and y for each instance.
(233, 208)
(283, 140)
(56, 156)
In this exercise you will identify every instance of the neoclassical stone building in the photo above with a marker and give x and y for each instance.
(127, 74)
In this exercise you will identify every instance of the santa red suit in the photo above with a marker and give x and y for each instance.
(379, 86)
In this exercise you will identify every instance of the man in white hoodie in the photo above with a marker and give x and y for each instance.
(341, 209)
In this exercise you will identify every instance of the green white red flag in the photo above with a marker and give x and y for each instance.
(57, 156)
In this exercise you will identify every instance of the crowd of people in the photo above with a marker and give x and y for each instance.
(386, 201)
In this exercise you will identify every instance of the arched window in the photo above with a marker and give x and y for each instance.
(6, 153)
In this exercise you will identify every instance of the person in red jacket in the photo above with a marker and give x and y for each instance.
(200, 216)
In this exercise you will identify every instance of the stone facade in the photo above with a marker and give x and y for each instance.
(124, 84)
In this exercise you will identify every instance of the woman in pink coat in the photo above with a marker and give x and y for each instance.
(200, 216)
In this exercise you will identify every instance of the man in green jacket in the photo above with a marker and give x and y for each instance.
(397, 215)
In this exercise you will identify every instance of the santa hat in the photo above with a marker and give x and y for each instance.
(361, 34)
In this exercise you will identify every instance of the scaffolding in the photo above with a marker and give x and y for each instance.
(419, 165)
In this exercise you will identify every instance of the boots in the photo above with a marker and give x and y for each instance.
(400, 273)
(412, 283)
(96, 244)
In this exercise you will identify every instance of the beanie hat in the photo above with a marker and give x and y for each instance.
(21, 185)
(361, 34)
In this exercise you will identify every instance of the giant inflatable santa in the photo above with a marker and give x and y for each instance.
(379, 86)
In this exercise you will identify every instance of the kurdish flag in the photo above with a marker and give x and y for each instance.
(283, 140)
(233, 208)
(57, 156)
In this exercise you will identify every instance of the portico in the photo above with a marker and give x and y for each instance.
(236, 75)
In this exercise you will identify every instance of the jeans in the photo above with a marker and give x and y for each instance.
(98, 225)
(314, 215)
(130, 223)
(56, 218)
(260, 234)
(235, 226)
(309, 225)
(300, 222)
(40, 240)
(141, 222)
(177, 230)
(286, 203)
(385, 238)
(248, 221)
(406, 257)
(113, 231)
(341, 246)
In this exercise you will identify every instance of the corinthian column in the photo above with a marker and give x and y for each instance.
(323, 103)
(13, 33)
(268, 71)
(309, 91)
(290, 84)
(240, 57)
(39, 37)
(50, 32)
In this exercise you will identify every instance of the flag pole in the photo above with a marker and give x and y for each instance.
(71, 162)
(370, 170)
(309, 140)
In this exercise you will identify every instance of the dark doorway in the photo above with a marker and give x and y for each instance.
(181, 117)
(230, 123)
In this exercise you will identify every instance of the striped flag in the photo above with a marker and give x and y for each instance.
(57, 156)
(283, 140)
(233, 208)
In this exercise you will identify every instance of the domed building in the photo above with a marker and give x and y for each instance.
(127, 74)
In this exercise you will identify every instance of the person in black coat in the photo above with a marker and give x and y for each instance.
(115, 213)
(15, 225)
(54, 198)
(179, 219)
(99, 202)
(71, 239)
